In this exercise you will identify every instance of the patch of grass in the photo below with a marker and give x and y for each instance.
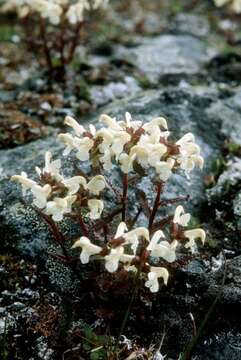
(234, 149)
(95, 345)
(6, 33)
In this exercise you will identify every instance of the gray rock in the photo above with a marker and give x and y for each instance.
(230, 118)
(227, 180)
(102, 95)
(192, 24)
(167, 55)
(221, 346)
(184, 108)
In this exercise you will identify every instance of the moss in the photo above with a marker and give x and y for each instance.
(83, 91)
(6, 33)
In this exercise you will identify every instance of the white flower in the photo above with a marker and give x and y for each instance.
(96, 207)
(162, 249)
(129, 123)
(78, 129)
(235, 4)
(83, 147)
(58, 207)
(126, 162)
(51, 167)
(96, 184)
(189, 153)
(107, 137)
(132, 237)
(192, 235)
(153, 276)
(41, 194)
(24, 181)
(106, 160)
(48, 10)
(121, 229)
(75, 13)
(164, 169)
(120, 139)
(115, 256)
(155, 153)
(100, 3)
(157, 126)
(88, 249)
(68, 140)
(220, 3)
(110, 122)
(73, 184)
(180, 217)
(141, 155)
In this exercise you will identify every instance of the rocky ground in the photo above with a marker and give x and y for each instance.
(184, 66)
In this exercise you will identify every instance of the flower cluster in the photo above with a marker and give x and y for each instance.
(55, 195)
(135, 249)
(134, 146)
(53, 28)
(54, 10)
(235, 5)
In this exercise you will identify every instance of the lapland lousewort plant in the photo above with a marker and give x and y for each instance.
(138, 150)
(53, 26)
(235, 5)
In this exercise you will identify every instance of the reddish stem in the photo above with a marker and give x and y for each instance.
(74, 43)
(83, 226)
(45, 45)
(159, 190)
(58, 236)
(78, 217)
(61, 48)
(124, 196)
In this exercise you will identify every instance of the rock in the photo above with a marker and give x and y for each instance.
(192, 24)
(220, 346)
(227, 180)
(101, 95)
(186, 109)
(230, 119)
(167, 55)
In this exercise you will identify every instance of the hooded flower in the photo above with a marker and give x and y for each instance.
(164, 169)
(96, 207)
(189, 156)
(126, 162)
(51, 167)
(88, 249)
(115, 256)
(24, 181)
(78, 129)
(96, 184)
(153, 276)
(162, 249)
(41, 194)
(192, 235)
(83, 147)
(234, 4)
(58, 207)
(180, 217)
(132, 237)
(73, 184)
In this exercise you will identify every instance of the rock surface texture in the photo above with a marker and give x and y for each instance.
(209, 109)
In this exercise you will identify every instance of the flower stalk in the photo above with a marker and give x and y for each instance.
(124, 196)
(135, 148)
(46, 49)
(159, 190)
